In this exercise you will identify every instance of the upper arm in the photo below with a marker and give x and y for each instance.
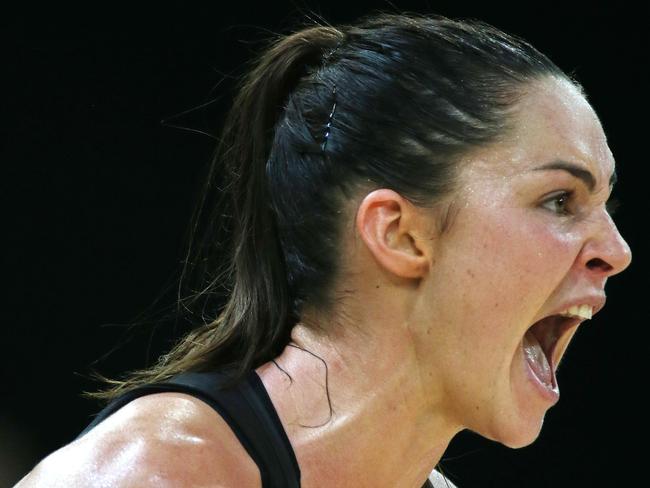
(104, 462)
(159, 440)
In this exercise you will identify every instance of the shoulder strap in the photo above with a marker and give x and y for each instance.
(246, 408)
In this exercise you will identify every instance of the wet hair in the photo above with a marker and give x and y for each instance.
(323, 116)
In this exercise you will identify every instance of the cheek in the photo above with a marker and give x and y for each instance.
(513, 262)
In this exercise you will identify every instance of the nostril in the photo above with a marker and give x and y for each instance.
(598, 264)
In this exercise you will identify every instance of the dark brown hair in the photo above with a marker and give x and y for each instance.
(414, 93)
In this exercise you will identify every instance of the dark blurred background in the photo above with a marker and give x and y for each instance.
(97, 193)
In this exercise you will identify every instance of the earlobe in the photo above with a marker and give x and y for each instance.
(388, 226)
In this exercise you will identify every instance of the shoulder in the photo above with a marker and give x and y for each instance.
(165, 440)
(440, 481)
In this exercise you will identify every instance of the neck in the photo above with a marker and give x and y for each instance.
(386, 426)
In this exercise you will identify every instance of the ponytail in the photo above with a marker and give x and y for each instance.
(255, 323)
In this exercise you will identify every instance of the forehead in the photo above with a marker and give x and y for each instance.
(553, 121)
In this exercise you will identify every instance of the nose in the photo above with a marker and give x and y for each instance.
(606, 253)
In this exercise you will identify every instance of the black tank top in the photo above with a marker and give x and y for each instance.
(246, 408)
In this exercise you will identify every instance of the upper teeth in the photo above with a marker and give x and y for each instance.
(583, 311)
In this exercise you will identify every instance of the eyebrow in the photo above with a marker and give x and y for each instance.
(577, 171)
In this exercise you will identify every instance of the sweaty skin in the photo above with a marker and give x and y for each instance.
(428, 338)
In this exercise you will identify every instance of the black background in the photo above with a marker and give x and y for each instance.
(96, 195)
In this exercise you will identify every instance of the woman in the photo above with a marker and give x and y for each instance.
(415, 210)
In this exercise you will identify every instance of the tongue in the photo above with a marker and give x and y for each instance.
(537, 360)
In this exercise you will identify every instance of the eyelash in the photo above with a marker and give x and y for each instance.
(565, 196)
(611, 206)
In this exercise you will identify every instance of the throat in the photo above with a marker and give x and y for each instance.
(376, 433)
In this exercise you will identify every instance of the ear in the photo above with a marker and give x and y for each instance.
(392, 229)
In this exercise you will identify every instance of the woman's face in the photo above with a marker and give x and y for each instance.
(529, 238)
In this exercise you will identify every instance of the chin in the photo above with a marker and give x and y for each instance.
(515, 436)
(521, 442)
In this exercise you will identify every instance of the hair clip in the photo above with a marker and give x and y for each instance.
(329, 121)
(328, 54)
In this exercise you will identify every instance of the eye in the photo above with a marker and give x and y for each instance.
(558, 203)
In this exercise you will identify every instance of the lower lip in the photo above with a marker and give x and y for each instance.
(551, 395)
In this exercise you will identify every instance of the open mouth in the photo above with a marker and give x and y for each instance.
(545, 342)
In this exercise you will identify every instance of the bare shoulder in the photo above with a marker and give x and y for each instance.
(165, 440)
(440, 481)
